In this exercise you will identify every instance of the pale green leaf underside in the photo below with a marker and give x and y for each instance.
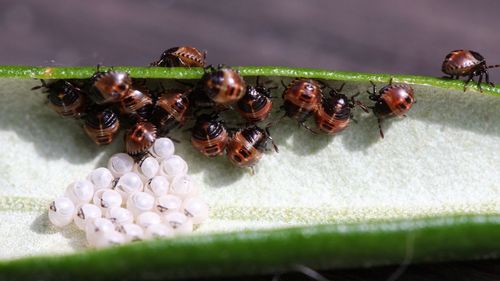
(443, 159)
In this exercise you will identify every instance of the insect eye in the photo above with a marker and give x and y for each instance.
(408, 100)
(138, 134)
(402, 106)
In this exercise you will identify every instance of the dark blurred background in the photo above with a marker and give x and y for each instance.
(407, 37)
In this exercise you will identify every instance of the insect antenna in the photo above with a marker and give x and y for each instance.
(355, 101)
(340, 89)
(267, 129)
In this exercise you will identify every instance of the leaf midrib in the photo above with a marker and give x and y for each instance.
(195, 73)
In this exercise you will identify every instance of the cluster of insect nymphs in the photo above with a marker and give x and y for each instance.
(111, 99)
(130, 201)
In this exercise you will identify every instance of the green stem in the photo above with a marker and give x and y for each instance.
(196, 73)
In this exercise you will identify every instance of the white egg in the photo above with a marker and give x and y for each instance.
(101, 178)
(163, 148)
(173, 166)
(158, 230)
(146, 219)
(179, 222)
(80, 191)
(85, 213)
(157, 186)
(183, 187)
(127, 184)
(61, 211)
(132, 232)
(107, 198)
(119, 215)
(120, 163)
(167, 203)
(96, 227)
(107, 239)
(196, 209)
(148, 167)
(139, 202)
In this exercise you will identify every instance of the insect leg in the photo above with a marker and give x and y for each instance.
(380, 127)
(479, 80)
(467, 81)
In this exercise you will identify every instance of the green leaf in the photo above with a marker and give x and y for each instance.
(427, 192)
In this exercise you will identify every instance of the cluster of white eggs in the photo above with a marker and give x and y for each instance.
(130, 201)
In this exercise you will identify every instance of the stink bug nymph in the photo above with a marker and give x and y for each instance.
(392, 100)
(209, 135)
(223, 85)
(247, 146)
(256, 104)
(170, 110)
(65, 98)
(137, 102)
(467, 63)
(301, 98)
(140, 138)
(184, 56)
(101, 125)
(109, 86)
(335, 112)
